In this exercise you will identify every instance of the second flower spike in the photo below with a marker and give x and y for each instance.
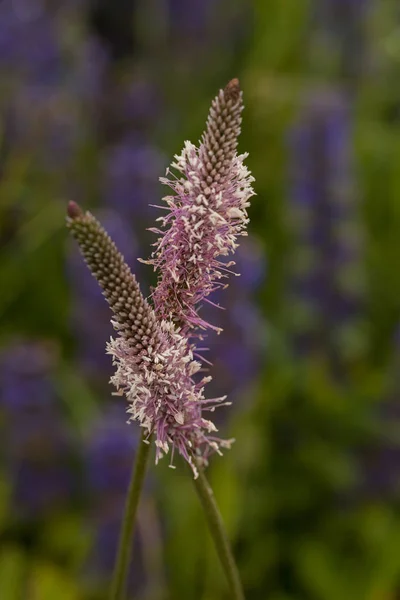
(205, 216)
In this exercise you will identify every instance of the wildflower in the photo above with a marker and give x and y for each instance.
(87, 299)
(205, 216)
(154, 363)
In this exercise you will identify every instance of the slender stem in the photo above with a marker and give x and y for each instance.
(119, 580)
(218, 533)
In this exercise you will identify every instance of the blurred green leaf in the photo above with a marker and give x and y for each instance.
(47, 583)
(13, 573)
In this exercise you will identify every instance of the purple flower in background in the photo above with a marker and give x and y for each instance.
(250, 263)
(332, 13)
(140, 102)
(192, 18)
(43, 122)
(102, 559)
(89, 76)
(341, 24)
(25, 379)
(109, 458)
(110, 452)
(29, 45)
(39, 445)
(131, 106)
(327, 277)
(236, 354)
(380, 459)
(380, 472)
(41, 470)
(41, 110)
(131, 169)
(200, 29)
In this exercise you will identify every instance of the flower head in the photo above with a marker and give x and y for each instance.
(205, 216)
(154, 363)
(87, 299)
(152, 353)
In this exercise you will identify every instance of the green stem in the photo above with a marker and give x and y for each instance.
(218, 533)
(119, 580)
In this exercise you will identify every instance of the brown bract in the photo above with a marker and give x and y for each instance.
(232, 90)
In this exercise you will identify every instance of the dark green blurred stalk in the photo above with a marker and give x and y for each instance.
(121, 569)
(218, 534)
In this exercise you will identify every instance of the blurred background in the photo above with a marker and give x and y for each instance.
(95, 98)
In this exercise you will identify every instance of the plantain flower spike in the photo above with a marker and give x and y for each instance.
(205, 215)
(153, 350)
(154, 363)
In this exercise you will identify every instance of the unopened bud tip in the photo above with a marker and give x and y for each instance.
(232, 90)
(73, 210)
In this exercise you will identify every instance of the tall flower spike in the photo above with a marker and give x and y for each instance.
(154, 364)
(134, 319)
(205, 216)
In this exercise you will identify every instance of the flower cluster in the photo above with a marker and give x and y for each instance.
(205, 216)
(155, 365)
(153, 355)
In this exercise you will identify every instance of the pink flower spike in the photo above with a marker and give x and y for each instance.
(154, 363)
(206, 214)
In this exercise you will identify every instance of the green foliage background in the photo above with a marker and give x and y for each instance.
(286, 490)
